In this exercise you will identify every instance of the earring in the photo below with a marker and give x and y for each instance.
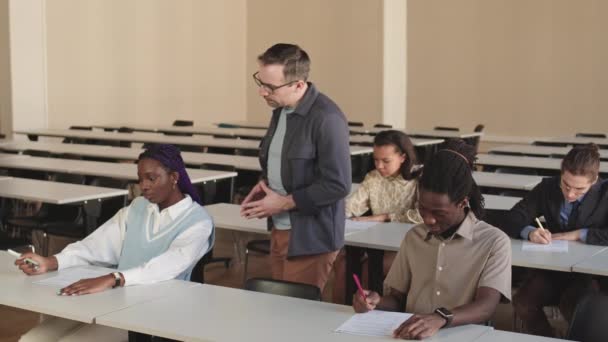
(174, 183)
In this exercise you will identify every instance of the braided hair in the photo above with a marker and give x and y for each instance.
(171, 159)
(450, 171)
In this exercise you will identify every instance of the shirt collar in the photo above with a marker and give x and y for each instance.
(465, 229)
(175, 210)
(307, 100)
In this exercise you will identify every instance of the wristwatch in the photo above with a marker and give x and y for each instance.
(445, 314)
(117, 279)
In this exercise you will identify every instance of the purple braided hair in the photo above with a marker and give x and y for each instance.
(170, 157)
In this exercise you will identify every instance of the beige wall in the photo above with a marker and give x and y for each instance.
(5, 72)
(344, 40)
(145, 61)
(534, 67)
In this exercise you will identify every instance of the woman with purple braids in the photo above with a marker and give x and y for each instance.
(160, 236)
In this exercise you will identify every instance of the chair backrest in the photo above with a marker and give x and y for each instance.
(590, 321)
(444, 128)
(378, 125)
(283, 288)
(590, 135)
(82, 128)
(125, 129)
(479, 128)
(183, 123)
(355, 124)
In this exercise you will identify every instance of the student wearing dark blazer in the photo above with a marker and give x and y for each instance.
(575, 208)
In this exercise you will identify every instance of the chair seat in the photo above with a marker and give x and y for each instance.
(259, 246)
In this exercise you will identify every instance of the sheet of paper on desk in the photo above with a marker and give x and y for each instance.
(71, 275)
(374, 323)
(357, 226)
(556, 246)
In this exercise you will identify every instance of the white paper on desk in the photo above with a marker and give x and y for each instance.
(73, 274)
(358, 226)
(374, 323)
(556, 246)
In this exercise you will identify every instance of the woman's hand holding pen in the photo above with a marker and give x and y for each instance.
(45, 264)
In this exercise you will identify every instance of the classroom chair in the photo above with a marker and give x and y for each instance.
(283, 288)
(590, 322)
(261, 246)
(54, 219)
(183, 123)
(444, 128)
(478, 129)
(591, 135)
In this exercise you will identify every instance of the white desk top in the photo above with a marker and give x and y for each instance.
(526, 162)
(509, 139)
(577, 253)
(387, 236)
(54, 192)
(602, 142)
(228, 216)
(541, 151)
(368, 139)
(506, 336)
(101, 169)
(123, 153)
(202, 130)
(208, 313)
(597, 264)
(18, 291)
(9, 156)
(144, 137)
(506, 180)
(496, 202)
(419, 132)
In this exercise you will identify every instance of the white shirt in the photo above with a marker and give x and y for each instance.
(104, 245)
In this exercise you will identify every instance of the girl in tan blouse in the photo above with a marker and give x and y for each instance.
(389, 192)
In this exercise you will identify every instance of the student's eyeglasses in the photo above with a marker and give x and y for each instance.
(269, 87)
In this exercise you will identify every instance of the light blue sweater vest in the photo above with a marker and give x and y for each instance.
(141, 244)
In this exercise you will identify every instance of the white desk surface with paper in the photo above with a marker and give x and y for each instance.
(208, 313)
(388, 237)
(127, 153)
(526, 162)
(602, 142)
(506, 180)
(54, 192)
(21, 291)
(540, 151)
(126, 171)
(597, 264)
(553, 260)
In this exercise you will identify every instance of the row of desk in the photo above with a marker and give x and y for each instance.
(485, 179)
(188, 311)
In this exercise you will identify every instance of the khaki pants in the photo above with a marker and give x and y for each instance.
(54, 329)
(308, 269)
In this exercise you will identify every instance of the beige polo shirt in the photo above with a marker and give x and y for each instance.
(435, 273)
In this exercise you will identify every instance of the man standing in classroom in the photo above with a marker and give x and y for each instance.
(305, 159)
